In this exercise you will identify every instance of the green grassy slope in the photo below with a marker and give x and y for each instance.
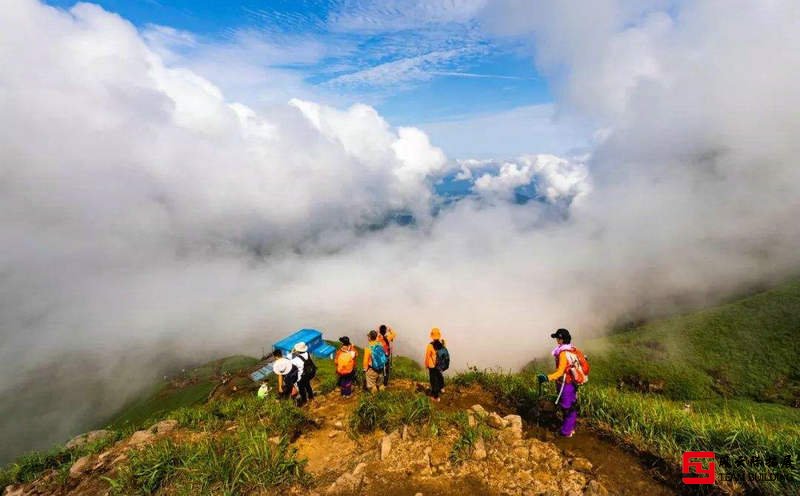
(198, 383)
(749, 348)
(165, 396)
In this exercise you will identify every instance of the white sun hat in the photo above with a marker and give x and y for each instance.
(282, 366)
(300, 347)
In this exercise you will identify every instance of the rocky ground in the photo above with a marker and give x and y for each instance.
(502, 461)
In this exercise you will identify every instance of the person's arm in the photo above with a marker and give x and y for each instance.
(367, 356)
(562, 367)
(430, 356)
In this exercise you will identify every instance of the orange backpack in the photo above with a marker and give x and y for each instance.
(577, 366)
(344, 362)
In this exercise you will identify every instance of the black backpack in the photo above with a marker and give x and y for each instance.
(309, 367)
(442, 359)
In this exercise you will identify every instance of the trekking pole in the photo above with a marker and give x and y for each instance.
(563, 383)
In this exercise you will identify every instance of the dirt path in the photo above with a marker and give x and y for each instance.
(623, 473)
(330, 450)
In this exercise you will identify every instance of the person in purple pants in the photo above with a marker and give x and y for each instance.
(566, 357)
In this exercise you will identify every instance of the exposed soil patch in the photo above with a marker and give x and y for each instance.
(621, 472)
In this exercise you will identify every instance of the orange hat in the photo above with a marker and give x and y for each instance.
(436, 333)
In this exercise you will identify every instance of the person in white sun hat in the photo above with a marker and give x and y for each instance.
(301, 358)
(288, 372)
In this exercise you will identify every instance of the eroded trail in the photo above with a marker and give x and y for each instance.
(535, 462)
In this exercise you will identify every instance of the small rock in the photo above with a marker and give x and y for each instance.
(418, 494)
(521, 453)
(345, 484)
(386, 447)
(359, 470)
(594, 488)
(338, 424)
(275, 440)
(88, 437)
(13, 490)
(582, 465)
(79, 466)
(333, 434)
(164, 426)
(479, 411)
(140, 437)
(515, 424)
(479, 450)
(496, 421)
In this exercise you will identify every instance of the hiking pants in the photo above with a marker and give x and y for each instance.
(304, 388)
(374, 379)
(569, 405)
(437, 381)
(346, 383)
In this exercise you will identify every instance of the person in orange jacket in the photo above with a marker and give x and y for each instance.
(386, 337)
(434, 374)
(345, 361)
(565, 378)
(374, 362)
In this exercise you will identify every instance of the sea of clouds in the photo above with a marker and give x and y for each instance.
(146, 220)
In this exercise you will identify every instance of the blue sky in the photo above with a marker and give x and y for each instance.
(427, 64)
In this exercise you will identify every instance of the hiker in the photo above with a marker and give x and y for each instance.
(437, 360)
(345, 361)
(307, 371)
(374, 362)
(287, 374)
(386, 337)
(571, 372)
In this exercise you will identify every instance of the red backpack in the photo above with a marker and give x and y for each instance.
(577, 366)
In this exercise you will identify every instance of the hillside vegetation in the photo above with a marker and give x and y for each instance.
(748, 348)
(722, 379)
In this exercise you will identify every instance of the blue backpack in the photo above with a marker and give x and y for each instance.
(442, 359)
(378, 357)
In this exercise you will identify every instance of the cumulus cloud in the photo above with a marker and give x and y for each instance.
(555, 178)
(132, 190)
(149, 220)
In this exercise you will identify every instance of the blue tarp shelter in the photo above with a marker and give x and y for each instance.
(311, 337)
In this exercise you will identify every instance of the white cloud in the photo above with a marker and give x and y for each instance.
(396, 15)
(419, 68)
(555, 178)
